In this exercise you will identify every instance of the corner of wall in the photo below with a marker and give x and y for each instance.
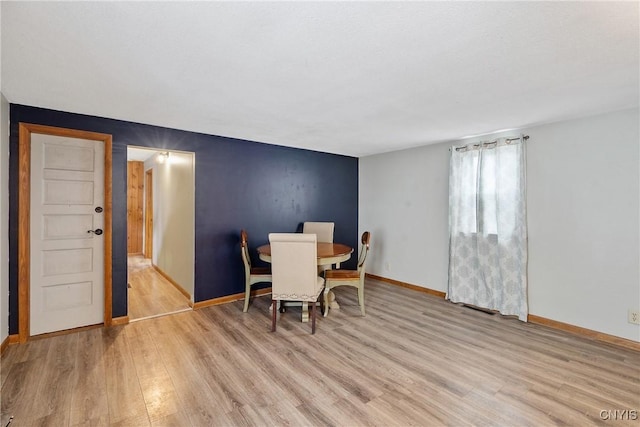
(4, 218)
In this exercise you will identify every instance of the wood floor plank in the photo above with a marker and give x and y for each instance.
(590, 404)
(262, 378)
(36, 349)
(159, 394)
(160, 398)
(289, 376)
(144, 352)
(10, 359)
(200, 397)
(178, 419)
(124, 393)
(278, 414)
(353, 412)
(133, 421)
(52, 401)
(18, 390)
(102, 421)
(560, 411)
(89, 403)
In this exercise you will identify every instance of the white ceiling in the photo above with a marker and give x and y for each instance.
(354, 78)
(135, 154)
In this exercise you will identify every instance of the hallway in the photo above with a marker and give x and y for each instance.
(150, 294)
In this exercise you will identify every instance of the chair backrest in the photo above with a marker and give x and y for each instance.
(244, 249)
(324, 230)
(294, 262)
(366, 236)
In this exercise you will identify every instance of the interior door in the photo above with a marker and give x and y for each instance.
(135, 200)
(66, 222)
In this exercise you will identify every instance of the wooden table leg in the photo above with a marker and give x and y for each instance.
(333, 304)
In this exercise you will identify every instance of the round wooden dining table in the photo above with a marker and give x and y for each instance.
(328, 254)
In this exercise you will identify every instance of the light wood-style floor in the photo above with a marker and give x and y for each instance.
(413, 360)
(149, 293)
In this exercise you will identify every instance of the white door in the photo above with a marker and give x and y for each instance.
(66, 241)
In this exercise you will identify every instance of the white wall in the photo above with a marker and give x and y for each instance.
(174, 218)
(4, 218)
(583, 184)
(403, 202)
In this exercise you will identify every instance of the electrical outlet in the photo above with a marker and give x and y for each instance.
(387, 266)
(633, 316)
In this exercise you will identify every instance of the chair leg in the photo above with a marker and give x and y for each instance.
(313, 318)
(247, 294)
(274, 314)
(326, 302)
(361, 298)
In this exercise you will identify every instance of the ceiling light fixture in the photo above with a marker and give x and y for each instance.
(163, 157)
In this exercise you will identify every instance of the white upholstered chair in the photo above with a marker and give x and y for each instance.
(324, 230)
(294, 272)
(252, 275)
(355, 278)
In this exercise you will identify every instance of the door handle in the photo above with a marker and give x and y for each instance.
(97, 231)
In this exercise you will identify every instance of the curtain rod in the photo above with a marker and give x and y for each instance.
(495, 141)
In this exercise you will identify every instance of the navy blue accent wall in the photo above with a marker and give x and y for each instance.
(238, 184)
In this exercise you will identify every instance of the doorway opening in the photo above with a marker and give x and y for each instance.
(160, 232)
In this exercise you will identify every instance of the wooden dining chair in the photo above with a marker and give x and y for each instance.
(355, 278)
(324, 230)
(295, 277)
(252, 275)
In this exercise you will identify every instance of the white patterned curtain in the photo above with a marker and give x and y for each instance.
(488, 227)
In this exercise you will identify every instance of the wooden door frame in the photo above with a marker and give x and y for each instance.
(24, 213)
(135, 197)
(148, 213)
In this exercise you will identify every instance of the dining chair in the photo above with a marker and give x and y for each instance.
(355, 278)
(252, 275)
(324, 230)
(295, 276)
